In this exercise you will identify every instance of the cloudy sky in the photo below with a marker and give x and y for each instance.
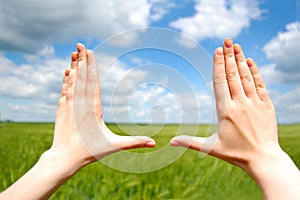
(155, 75)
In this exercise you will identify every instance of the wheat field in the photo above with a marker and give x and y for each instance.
(189, 177)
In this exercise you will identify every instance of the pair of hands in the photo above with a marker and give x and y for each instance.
(246, 117)
(247, 129)
(246, 136)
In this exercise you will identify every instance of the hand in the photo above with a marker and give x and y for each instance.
(80, 133)
(247, 128)
(246, 116)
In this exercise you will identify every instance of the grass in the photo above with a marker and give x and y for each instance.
(189, 177)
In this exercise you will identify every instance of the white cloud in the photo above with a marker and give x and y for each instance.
(127, 94)
(273, 76)
(141, 95)
(117, 83)
(154, 104)
(287, 105)
(6, 65)
(286, 102)
(218, 18)
(185, 41)
(197, 107)
(124, 39)
(47, 51)
(136, 60)
(38, 80)
(283, 51)
(159, 8)
(37, 23)
(116, 78)
(32, 111)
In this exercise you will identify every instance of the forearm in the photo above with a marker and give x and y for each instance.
(43, 179)
(276, 175)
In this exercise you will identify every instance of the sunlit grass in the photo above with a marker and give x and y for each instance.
(189, 177)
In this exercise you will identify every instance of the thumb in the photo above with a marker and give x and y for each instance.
(126, 142)
(202, 144)
(132, 142)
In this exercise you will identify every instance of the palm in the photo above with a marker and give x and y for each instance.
(79, 125)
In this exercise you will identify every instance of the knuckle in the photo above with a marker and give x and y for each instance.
(70, 84)
(81, 75)
(220, 79)
(254, 71)
(80, 58)
(92, 71)
(232, 74)
(219, 61)
(228, 116)
(69, 96)
(259, 84)
(228, 113)
(230, 55)
(246, 78)
(241, 59)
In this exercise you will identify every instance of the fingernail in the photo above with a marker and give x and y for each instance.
(174, 143)
(67, 72)
(219, 51)
(74, 56)
(228, 43)
(79, 46)
(250, 62)
(150, 144)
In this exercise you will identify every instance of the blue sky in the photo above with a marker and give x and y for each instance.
(145, 84)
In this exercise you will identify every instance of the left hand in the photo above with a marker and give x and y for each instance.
(80, 132)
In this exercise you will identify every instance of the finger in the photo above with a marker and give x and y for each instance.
(81, 71)
(74, 60)
(65, 83)
(62, 99)
(116, 142)
(258, 81)
(93, 89)
(188, 141)
(92, 67)
(71, 78)
(204, 144)
(232, 74)
(221, 90)
(132, 142)
(244, 72)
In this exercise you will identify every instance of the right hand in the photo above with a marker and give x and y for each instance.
(247, 126)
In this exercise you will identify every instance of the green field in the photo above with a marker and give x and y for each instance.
(189, 177)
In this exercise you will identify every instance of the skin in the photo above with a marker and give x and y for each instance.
(247, 129)
(75, 144)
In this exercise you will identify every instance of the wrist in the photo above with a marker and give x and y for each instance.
(58, 165)
(48, 174)
(264, 157)
(275, 173)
